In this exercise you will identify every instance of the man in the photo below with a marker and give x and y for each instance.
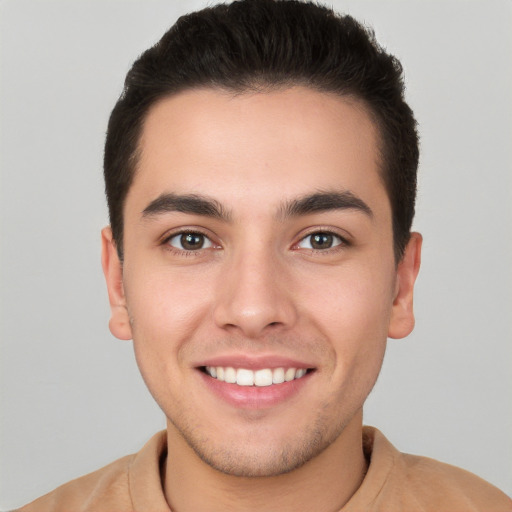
(260, 171)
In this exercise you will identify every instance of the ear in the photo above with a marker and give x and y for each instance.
(113, 270)
(402, 314)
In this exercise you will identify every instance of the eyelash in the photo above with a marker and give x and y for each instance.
(343, 242)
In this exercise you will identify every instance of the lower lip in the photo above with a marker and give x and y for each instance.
(255, 397)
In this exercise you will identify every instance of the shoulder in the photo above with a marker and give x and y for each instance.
(401, 482)
(132, 483)
(446, 487)
(97, 491)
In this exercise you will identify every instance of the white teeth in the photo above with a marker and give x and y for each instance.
(289, 374)
(260, 378)
(300, 373)
(263, 377)
(230, 375)
(278, 376)
(244, 377)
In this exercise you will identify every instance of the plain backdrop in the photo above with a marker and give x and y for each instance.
(72, 399)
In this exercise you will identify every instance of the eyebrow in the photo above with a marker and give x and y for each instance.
(324, 201)
(193, 204)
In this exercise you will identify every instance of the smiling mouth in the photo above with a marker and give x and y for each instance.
(259, 378)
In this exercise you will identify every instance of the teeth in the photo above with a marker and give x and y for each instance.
(300, 373)
(260, 378)
(278, 376)
(230, 375)
(289, 374)
(263, 377)
(244, 377)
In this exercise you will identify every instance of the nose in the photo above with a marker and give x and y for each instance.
(254, 296)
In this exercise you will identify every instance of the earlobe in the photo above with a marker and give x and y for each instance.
(113, 270)
(402, 314)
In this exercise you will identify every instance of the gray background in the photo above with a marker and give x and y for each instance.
(71, 396)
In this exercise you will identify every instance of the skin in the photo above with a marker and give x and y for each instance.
(257, 289)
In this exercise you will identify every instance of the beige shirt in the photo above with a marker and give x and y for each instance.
(394, 482)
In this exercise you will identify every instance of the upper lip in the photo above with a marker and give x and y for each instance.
(254, 362)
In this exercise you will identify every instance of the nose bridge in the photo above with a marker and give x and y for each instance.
(252, 292)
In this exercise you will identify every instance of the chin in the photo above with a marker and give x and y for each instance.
(258, 463)
(259, 455)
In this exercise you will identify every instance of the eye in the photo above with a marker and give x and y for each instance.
(321, 240)
(190, 241)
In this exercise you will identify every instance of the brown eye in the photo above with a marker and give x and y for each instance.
(320, 241)
(190, 241)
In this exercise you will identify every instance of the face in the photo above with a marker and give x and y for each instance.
(259, 283)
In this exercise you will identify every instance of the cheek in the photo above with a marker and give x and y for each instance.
(167, 310)
(354, 301)
(166, 300)
(353, 312)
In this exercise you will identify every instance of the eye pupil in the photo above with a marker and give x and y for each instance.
(191, 241)
(321, 241)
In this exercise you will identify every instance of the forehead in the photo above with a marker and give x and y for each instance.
(265, 144)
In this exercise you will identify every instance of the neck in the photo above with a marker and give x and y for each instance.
(335, 475)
